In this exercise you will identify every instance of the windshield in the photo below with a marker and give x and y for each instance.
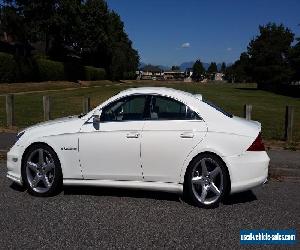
(218, 108)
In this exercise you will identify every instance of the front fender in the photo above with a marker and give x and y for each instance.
(66, 147)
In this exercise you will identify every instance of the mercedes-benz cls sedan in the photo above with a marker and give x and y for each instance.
(144, 138)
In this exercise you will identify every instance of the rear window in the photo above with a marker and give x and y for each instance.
(165, 108)
(218, 108)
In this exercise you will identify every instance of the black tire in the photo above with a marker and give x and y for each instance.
(56, 179)
(196, 184)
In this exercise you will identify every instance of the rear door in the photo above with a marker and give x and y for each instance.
(168, 136)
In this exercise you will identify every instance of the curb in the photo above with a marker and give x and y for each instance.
(279, 172)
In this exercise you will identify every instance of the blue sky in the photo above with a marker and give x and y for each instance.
(169, 32)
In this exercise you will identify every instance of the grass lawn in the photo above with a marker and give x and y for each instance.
(268, 108)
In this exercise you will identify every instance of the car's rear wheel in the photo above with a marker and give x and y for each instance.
(41, 171)
(206, 180)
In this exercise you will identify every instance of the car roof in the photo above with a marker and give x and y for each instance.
(161, 91)
(194, 101)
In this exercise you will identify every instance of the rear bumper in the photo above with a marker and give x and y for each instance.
(247, 170)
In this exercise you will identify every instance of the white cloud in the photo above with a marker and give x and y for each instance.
(185, 45)
(229, 49)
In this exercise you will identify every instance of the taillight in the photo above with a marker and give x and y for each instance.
(257, 145)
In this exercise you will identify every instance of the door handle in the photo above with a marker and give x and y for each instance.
(187, 135)
(133, 135)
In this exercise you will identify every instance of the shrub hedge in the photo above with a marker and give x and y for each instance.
(49, 70)
(92, 73)
(129, 75)
(8, 68)
(13, 69)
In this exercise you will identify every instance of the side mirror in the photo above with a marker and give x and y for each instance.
(97, 116)
(96, 119)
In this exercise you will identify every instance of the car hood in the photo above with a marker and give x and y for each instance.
(66, 125)
(53, 122)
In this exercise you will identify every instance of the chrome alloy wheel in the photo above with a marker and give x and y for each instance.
(207, 181)
(40, 170)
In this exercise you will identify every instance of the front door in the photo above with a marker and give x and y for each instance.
(110, 150)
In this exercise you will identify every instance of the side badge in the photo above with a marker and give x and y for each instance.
(68, 149)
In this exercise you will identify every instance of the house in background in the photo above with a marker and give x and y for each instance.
(150, 72)
(174, 75)
(219, 77)
(188, 75)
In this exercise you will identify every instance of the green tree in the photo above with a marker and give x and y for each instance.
(239, 71)
(198, 71)
(223, 68)
(11, 23)
(230, 74)
(120, 43)
(294, 58)
(268, 54)
(39, 19)
(85, 32)
(212, 69)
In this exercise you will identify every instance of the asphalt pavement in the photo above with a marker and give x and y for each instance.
(119, 218)
(6, 140)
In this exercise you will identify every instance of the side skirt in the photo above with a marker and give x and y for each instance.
(14, 179)
(154, 186)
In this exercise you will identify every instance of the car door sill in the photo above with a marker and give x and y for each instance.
(147, 185)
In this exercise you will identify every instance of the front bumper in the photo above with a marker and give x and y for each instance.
(14, 161)
(247, 170)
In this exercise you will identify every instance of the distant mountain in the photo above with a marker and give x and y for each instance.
(151, 68)
(186, 65)
(162, 67)
(190, 64)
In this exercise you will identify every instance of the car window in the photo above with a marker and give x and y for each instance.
(164, 108)
(125, 109)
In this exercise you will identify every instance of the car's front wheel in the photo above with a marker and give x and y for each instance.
(206, 180)
(41, 171)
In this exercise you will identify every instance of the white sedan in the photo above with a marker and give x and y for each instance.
(144, 138)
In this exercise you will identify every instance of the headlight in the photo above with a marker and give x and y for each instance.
(19, 135)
